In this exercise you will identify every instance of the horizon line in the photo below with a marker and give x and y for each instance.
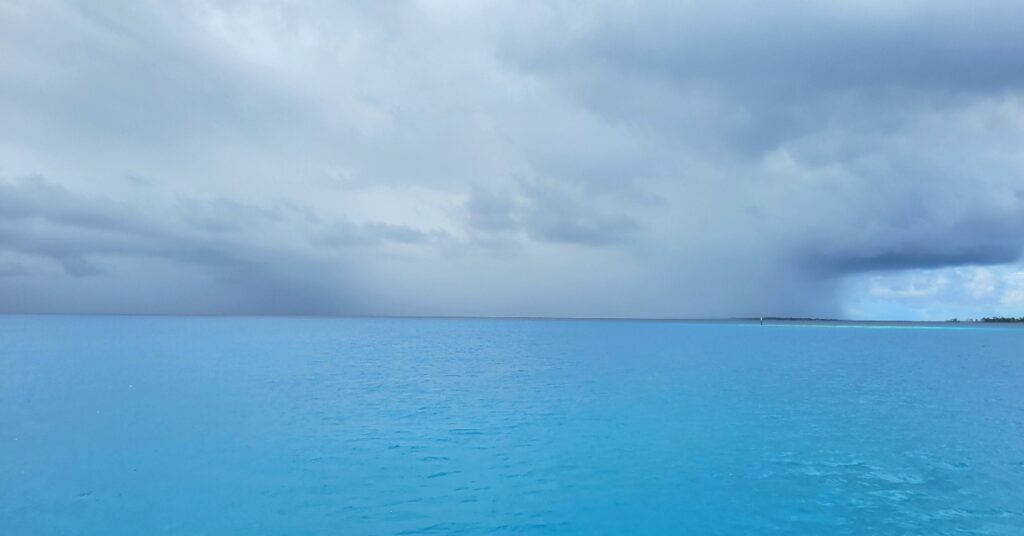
(776, 319)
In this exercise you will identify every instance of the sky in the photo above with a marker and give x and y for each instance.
(846, 159)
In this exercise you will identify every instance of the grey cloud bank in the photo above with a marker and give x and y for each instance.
(509, 158)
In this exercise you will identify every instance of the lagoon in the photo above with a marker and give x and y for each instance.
(263, 425)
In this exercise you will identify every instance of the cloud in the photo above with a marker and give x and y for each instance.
(938, 294)
(98, 239)
(555, 158)
(1013, 291)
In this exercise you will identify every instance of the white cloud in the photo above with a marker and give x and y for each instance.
(982, 283)
(938, 294)
(1013, 290)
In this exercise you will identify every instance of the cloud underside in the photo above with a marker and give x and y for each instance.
(681, 160)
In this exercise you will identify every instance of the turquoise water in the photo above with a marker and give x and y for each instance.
(133, 425)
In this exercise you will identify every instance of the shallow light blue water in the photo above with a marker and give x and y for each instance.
(132, 425)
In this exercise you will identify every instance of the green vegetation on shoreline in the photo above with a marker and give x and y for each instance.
(985, 320)
(993, 320)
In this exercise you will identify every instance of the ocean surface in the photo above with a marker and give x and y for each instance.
(178, 425)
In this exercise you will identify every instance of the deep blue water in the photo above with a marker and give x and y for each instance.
(148, 425)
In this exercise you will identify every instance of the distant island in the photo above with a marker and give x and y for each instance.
(993, 319)
(986, 320)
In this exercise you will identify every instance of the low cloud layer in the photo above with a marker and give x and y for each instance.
(502, 158)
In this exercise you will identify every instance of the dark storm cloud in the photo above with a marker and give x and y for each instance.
(996, 241)
(556, 217)
(824, 46)
(655, 159)
(13, 270)
(372, 233)
(43, 218)
(490, 212)
(782, 71)
(95, 236)
(549, 215)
